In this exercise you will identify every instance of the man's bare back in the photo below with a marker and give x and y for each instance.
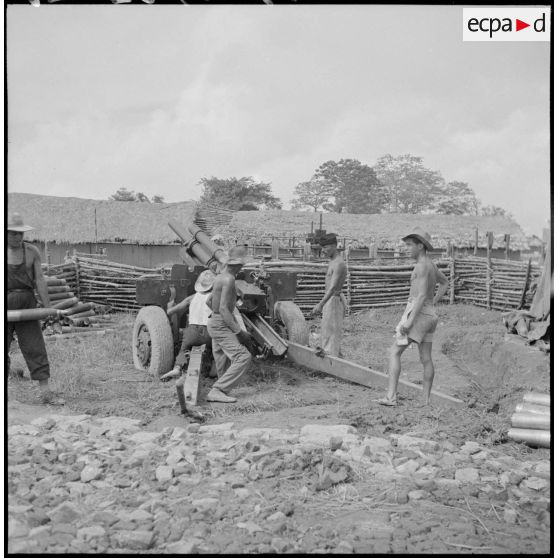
(224, 292)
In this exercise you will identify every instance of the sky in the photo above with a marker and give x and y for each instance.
(153, 98)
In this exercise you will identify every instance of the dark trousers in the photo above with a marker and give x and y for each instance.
(29, 337)
(192, 336)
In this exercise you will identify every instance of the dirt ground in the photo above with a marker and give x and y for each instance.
(475, 361)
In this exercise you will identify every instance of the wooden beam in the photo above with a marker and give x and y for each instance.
(352, 372)
(191, 385)
(476, 242)
(274, 249)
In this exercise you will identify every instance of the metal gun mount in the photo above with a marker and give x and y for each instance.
(258, 293)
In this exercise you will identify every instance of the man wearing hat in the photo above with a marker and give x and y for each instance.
(24, 276)
(332, 304)
(419, 318)
(230, 341)
(195, 334)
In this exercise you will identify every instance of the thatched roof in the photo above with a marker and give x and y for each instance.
(384, 229)
(72, 220)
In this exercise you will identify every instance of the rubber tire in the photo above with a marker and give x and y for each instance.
(293, 319)
(157, 323)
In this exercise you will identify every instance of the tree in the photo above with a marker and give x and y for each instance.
(354, 186)
(457, 198)
(410, 186)
(239, 194)
(123, 194)
(495, 211)
(314, 193)
(141, 197)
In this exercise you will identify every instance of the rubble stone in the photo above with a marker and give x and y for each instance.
(467, 474)
(164, 473)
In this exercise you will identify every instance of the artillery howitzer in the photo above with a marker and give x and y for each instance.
(265, 301)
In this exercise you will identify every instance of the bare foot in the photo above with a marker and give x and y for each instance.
(387, 401)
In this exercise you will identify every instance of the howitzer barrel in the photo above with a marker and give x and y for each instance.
(216, 252)
(199, 245)
(30, 314)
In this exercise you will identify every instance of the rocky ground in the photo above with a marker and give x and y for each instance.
(302, 463)
(82, 484)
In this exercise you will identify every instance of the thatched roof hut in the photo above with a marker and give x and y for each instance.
(385, 230)
(72, 220)
(78, 220)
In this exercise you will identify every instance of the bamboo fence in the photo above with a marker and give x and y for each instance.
(494, 284)
(366, 286)
(490, 283)
(110, 283)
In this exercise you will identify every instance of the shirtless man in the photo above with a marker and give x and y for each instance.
(24, 276)
(332, 304)
(419, 319)
(230, 341)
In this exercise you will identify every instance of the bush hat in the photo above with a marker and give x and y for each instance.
(237, 255)
(15, 223)
(422, 236)
(205, 281)
(327, 239)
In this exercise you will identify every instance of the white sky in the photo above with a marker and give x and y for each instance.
(153, 98)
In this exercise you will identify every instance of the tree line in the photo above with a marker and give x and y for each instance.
(401, 184)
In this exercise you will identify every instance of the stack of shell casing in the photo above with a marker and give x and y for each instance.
(79, 317)
(531, 420)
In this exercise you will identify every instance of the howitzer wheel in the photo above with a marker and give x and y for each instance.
(152, 341)
(293, 319)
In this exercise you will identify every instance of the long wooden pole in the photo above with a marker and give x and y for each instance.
(525, 285)
(352, 372)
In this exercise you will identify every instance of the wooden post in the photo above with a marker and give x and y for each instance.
(507, 241)
(525, 285)
(452, 280)
(449, 249)
(252, 247)
(274, 248)
(47, 257)
(476, 242)
(76, 264)
(307, 251)
(489, 241)
(348, 280)
(373, 251)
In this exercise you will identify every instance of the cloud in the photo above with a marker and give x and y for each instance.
(154, 102)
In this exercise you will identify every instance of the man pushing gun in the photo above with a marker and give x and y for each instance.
(230, 341)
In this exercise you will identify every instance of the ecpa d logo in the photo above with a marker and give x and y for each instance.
(506, 24)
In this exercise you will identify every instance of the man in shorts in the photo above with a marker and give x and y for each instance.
(419, 318)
